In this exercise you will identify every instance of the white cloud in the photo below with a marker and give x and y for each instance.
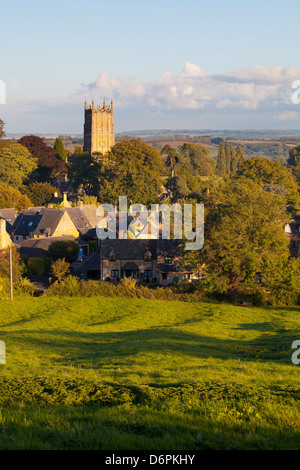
(248, 89)
(255, 96)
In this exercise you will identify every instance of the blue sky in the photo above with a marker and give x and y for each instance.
(167, 64)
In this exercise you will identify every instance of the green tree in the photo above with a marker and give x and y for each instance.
(39, 193)
(5, 264)
(16, 165)
(11, 198)
(60, 269)
(221, 161)
(273, 177)
(133, 169)
(60, 150)
(67, 249)
(244, 237)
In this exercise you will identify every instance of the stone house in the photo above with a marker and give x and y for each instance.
(34, 223)
(5, 240)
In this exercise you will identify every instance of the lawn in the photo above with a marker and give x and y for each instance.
(115, 373)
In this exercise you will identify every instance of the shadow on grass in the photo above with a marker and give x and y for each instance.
(98, 349)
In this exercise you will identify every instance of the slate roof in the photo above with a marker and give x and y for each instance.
(128, 249)
(35, 247)
(37, 222)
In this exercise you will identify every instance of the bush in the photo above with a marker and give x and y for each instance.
(67, 249)
(24, 287)
(69, 287)
(35, 267)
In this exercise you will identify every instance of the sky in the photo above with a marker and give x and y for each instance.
(188, 64)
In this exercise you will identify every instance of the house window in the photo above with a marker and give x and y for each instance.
(165, 276)
(115, 273)
(168, 260)
(148, 258)
(112, 258)
(148, 274)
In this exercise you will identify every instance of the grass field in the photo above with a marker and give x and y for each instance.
(116, 373)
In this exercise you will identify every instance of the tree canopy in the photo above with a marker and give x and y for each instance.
(39, 193)
(133, 169)
(273, 177)
(244, 240)
(10, 198)
(16, 164)
(49, 166)
(60, 150)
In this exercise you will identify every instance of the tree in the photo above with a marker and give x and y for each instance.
(221, 161)
(2, 133)
(16, 165)
(244, 237)
(84, 173)
(11, 198)
(273, 177)
(197, 158)
(5, 264)
(39, 193)
(294, 162)
(60, 269)
(49, 166)
(60, 150)
(133, 169)
(67, 249)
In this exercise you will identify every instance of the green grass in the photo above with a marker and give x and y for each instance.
(116, 373)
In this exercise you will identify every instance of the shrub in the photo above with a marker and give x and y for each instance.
(24, 287)
(35, 267)
(67, 249)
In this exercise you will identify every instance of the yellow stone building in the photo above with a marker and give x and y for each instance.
(99, 133)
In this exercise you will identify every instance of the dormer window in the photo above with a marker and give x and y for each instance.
(148, 256)
(168, 260)
(112, 258)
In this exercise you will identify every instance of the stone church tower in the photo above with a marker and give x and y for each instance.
(99, 134)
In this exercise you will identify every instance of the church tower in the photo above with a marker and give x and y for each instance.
(99, 134)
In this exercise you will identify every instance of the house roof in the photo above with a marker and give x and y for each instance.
(128, 249)
(35, 247)
(38, 222)
(79, 219)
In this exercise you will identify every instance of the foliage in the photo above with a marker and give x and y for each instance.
(60, 150)
(229, 159)
(16, 165)
(133, 169)
(84, 173)
(60, 269)
(2, 133)
(273, 177)
(24, 287)
(243, 236)
(35, 266)
(12, 198)
(39, 193)
(67, 249)
(5, 264)
(49, 166)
